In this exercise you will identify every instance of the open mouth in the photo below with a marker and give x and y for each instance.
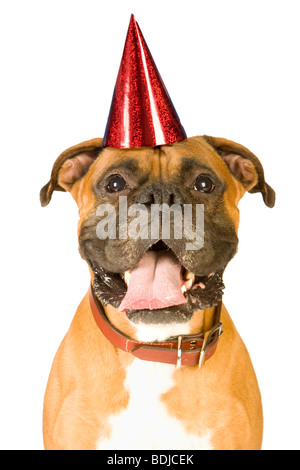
(158, 282)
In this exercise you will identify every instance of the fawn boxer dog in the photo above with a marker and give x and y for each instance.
(138, 370)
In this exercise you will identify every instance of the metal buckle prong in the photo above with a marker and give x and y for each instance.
(202, 355)
(179, 352)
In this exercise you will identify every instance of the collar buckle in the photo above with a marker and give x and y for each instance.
(216, 331)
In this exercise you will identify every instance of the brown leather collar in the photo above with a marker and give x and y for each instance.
(185, 350)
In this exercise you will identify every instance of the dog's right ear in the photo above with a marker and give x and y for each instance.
(71, 165)
(244, 166)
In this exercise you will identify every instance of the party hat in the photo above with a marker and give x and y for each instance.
(142, 113)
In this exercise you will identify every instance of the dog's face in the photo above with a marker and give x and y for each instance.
(132, 247)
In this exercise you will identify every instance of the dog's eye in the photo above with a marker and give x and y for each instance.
(204, 184)
(115, 183)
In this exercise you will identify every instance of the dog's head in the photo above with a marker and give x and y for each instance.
(158, 225)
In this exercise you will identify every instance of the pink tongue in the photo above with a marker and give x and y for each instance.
(155, 283)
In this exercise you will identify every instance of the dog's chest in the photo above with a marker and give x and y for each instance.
(146, 422)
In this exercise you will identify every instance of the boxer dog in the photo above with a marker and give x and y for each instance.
(156, 373)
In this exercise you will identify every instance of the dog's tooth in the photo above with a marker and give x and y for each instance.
(189, 275)
(183, 289)
(188, 284)
(127, 277)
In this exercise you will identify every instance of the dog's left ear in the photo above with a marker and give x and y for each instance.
(245, 166)
(71, 165)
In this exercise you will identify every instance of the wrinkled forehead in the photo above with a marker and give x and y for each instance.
(131, 160)
(163, 161)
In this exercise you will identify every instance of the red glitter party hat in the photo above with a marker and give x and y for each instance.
(141, 113)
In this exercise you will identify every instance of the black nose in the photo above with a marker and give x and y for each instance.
(158, 193)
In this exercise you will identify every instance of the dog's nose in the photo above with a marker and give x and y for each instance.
(158, 193)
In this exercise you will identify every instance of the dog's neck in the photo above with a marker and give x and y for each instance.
(168, 343)
(201, 321)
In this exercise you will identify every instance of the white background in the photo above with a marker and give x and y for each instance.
(232, 70)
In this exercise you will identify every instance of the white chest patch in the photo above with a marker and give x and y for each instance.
(145, 423)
